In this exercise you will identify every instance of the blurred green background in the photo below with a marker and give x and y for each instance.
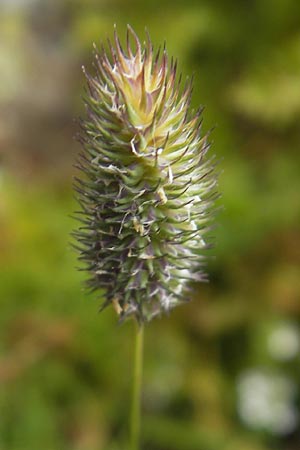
(221, 373)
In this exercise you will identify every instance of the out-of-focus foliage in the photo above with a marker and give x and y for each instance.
(221, 373)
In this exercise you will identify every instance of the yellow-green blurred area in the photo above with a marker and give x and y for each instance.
(221, 373)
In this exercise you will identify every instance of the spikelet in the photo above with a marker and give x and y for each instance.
(147, 192)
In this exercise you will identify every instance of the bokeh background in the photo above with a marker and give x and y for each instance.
(221, 373)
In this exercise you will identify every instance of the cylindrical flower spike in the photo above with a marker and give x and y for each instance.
(148, 190)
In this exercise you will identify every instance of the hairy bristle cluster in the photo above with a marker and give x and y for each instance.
(147, 194)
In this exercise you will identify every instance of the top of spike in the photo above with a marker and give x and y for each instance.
(141, 78)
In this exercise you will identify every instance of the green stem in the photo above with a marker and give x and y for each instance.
(135, 418)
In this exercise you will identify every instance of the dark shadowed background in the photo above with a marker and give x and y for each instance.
(221, 373)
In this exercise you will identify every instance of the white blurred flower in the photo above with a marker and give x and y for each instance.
(265, 401)
(284, 342)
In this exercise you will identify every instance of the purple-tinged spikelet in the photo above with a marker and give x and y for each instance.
(148, 190)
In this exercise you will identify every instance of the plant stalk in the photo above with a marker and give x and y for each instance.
(135, 418)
